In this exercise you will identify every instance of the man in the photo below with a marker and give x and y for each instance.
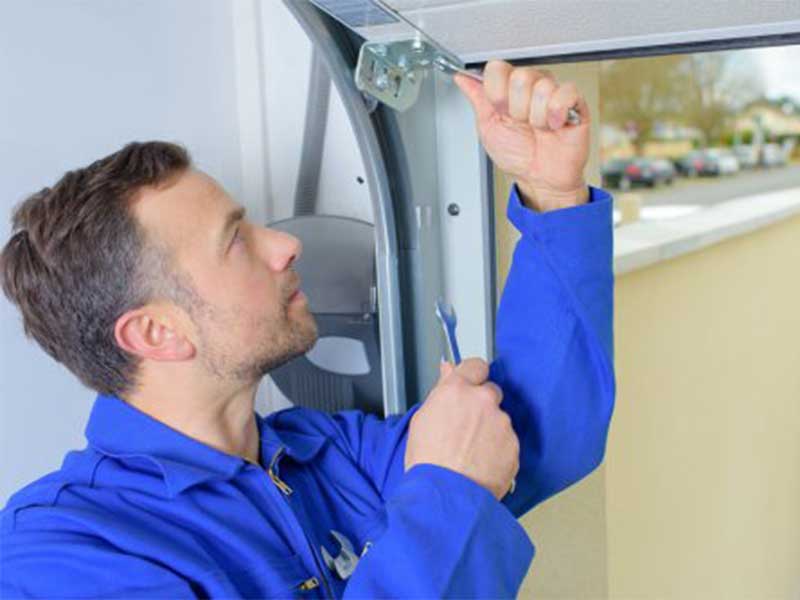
(143, 277)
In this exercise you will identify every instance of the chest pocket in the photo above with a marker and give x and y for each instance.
(272, 577)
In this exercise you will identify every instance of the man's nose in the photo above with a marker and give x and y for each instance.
(282, 249)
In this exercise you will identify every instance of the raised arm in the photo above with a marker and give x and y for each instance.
(554, 326)
(555, 345)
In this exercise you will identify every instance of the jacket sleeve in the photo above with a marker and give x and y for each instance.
(554, 343)
(439, 534)
(444, 536)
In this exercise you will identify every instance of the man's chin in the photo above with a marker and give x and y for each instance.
(303, 340)
(307, 329)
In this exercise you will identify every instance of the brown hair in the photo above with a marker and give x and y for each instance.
(75, 261)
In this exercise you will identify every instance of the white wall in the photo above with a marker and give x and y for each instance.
(79, 80)
(288, 53)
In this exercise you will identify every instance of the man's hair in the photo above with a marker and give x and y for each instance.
(78, 259)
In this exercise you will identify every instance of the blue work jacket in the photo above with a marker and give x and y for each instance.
(145, 511)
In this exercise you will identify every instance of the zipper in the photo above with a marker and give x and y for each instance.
(311, 583)
(273, 475)
(287, 491)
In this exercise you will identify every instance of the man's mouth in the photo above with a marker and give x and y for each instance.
(297, 294)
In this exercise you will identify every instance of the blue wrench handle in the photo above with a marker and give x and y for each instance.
(450, 333)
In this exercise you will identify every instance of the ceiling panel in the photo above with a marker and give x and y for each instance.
(477, 30)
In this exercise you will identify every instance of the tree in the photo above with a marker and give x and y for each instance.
(717, 86)
(703, 90)
(636, 93)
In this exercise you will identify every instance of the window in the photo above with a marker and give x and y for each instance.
(684, 132)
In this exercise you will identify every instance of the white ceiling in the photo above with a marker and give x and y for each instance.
(477, 30)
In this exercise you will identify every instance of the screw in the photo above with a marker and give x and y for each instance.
(454, 209)
(360, 179)
(382, 81)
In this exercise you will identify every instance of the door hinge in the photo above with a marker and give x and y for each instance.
(393, 72)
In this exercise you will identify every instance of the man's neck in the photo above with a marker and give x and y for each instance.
(221, 418)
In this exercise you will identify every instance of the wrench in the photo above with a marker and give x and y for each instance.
(447, 316)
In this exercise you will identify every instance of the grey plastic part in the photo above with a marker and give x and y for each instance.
(339, 275)
(337, 268)
(386, 247)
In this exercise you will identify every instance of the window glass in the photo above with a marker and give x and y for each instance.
(683, 132)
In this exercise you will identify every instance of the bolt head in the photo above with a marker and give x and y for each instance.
(382, 81)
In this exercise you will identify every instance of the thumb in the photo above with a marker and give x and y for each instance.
(474, 92)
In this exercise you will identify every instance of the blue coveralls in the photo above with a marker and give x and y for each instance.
(144, 511)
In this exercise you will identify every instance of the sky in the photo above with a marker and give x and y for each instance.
(780, 67)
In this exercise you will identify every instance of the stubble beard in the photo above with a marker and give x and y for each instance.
(293, 338)
(284, 337)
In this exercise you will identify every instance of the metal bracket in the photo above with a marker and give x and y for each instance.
(393, 72)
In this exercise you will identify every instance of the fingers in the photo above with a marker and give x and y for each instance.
(564, 97)
(474, 370)
(475, 93)
(521, 83)
(495, 84)
(530, 95)
(542, 94)
(493, 392)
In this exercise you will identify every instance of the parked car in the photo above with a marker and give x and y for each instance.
(692, 164)
(719, 161)
(747, 155)
(772, 155)
(665, 170)
(625, 173)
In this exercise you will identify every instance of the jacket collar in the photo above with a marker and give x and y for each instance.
(117, 429)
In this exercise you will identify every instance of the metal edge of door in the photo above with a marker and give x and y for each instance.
(489, 241)
(336, 48)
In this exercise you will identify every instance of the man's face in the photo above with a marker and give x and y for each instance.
(242, 295)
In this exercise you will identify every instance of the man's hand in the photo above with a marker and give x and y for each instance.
(522, 122)
(461, 427)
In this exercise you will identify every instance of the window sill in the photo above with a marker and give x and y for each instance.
(639, 245)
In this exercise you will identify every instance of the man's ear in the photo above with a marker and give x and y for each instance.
(152, 334)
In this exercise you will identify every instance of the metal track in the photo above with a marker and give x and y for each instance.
(337, 50)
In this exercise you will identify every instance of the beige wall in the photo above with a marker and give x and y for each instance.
(703, 462)
(699, 496)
